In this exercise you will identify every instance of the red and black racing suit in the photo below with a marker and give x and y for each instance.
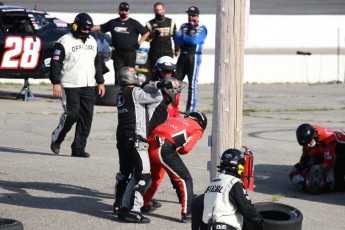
(323, 154)
(178, 136)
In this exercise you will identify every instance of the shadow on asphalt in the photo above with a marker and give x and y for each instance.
(9, 95)
(23, 151)
(169, 218)
(80, 199)
(273, 180)
(155, 213)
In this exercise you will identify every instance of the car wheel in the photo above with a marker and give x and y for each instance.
(8, 224)
(109, 98)
(277, 217)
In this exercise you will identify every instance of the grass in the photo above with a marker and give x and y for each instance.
(277, 197)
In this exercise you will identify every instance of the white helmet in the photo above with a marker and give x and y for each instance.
(165, 63)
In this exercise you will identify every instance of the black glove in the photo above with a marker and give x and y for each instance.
(164, 84)
(157, 33)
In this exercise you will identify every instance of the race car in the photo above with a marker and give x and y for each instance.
(27, 39)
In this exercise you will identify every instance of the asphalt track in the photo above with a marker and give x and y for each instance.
(260, 7)
(47, 191)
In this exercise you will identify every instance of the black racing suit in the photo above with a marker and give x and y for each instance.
(132, 145)
(161, 34)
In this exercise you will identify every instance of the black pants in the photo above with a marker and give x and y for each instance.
(78, 109)
(189, 64)
(122, 59)
(179, 173)
(339, 167)
(126, 168)
(133, 161)
(197, 211)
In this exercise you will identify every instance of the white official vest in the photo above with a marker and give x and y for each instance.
(79, 64)
(217, 205)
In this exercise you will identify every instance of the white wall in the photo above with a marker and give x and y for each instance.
(265, 33)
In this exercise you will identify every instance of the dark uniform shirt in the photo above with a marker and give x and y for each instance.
(124, 34)
(161, 44)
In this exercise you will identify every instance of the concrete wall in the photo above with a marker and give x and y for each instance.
(270, 47)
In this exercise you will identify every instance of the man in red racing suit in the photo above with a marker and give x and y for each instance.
(314, 171)
(175, 136)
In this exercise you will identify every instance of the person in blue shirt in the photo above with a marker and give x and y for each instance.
(190, 37)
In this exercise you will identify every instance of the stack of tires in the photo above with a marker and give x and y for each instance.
(277, 217)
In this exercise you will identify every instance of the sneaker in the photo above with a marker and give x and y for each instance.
(156, 204)
(136, 217)
(80, 154)
(186, 218)
(148, 208)
(55, 148)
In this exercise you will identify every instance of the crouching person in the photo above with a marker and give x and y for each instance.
(314, 172)
(226, 202)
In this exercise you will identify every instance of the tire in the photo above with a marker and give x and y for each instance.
(9, 224)
(109, 98)
(277, 217)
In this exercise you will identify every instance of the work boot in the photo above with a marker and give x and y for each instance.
(122, 213)
(156, 204)
(148, 208)
(186, 218)
(136, 217)
(80, 154)
(55, 147)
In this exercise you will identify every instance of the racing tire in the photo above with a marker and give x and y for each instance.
(9, 224)
(109, 98)
(277, 217)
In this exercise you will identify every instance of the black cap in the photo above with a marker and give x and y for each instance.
(193, 10)
(124, 6)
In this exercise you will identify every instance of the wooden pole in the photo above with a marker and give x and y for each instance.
(228, 83)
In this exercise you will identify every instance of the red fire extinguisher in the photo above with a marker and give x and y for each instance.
(248, 173)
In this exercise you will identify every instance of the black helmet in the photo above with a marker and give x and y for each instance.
(198, 117)
(127, 76)
(165, 63)
(305, 133)
(82, 21)
(171, 93)
(232, 162)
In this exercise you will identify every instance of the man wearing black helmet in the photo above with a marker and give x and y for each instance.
(124, 33)
(226, 203)
(321, 166)
(175, 136)
(75, 70)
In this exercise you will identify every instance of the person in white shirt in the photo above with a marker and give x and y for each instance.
(75, 70)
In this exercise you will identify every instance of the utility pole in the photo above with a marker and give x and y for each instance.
(228, 83)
